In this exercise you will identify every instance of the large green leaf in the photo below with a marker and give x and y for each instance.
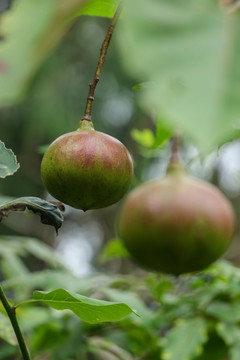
(104, 8)
(50, 213)
(188, 51)
(185, 340)
(90, 310)
(31, 29)
(8, 161)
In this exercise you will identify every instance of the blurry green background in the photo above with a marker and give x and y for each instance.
(51, 66)
(54, 104)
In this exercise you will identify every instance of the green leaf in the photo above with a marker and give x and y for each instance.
(163, 133)
(114, 249)
(214, 349)
(131, 299)
(185, 340)
(107, 350)
(41, 251)
(8, 161)
(23, 246)
(147, 139)
(143, 137)
(89, 310)
(31, 29)
(50, 213)
(105, 8)
(6, 331)
(11, 265)
(224, 311)
(159, 285)
(230, 333)
(44, 279)
(189, 52)
(235, 352)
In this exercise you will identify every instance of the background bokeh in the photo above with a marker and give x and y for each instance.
(54, 105)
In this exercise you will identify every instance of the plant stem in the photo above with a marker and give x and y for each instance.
(12, 316)
(175, 153)
(103, 53)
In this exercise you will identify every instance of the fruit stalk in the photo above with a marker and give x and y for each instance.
(12, 316)
(175, 151)
(103, 53)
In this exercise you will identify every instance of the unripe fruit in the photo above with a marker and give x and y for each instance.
(87, 169)
(177, 224)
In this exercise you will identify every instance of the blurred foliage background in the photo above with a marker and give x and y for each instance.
(87, 256)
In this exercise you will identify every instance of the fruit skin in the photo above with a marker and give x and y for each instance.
(176, 225)
(87, 169)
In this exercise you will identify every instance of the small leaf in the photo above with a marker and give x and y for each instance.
(44, 279)
(143, 137)
(22, 246)
(89, 310)
(97, 343)
(163, 133)
(105, 8)
(41, 251)
(6, 331)
(11, 265)
(146, 137)
(50, 213)
(230, 333)
(224, 311)
(114, 249)
(42, 149)
(8, 161)
(131, 299)
(185, 340)
(137, 87)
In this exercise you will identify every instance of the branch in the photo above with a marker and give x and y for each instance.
(103, 53)
(12, 316)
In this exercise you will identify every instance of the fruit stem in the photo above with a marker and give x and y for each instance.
(12, 316)
(175, 164)
(103, 53)
(175, 150)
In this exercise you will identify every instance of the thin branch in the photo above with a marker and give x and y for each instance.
(12, 316)
(103, 53)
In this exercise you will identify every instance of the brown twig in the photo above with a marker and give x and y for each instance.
(103, 52)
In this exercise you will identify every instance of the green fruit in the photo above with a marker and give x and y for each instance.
(87, 169)
(176, 225)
